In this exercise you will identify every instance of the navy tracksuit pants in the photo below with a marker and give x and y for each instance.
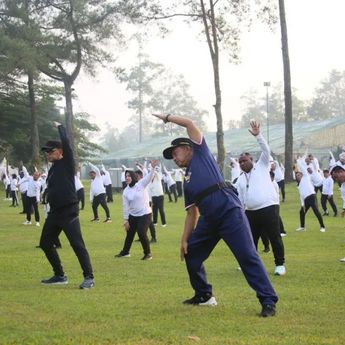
(234, 229)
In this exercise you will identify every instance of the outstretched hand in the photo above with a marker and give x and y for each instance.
(254, 128)
(163, 117)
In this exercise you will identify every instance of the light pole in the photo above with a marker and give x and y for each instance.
(267, 84)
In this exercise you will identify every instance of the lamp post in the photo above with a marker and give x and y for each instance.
(267, 84)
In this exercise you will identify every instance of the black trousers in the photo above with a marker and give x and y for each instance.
(329, 198)
(266, 221)
(32, 203)
(109, 192)
(152, 231)
(14, 198)
(100, 200)
(139, 225)
(264, 238)
(310, 202)
(172, 190)
(8, 191)
(318, 189)
(179, 188)
(158, 205)
(66, 220)
(281, 185)
(24, 202)
(81, 197)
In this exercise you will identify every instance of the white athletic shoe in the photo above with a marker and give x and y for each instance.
(27, 222)
(164, 225)
(342, 260)
(208, 301)
(280, 270)
(322, 230)
(283, 234)
(300, 229)
(37, 224)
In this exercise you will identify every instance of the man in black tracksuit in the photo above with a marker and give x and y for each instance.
(64, 211)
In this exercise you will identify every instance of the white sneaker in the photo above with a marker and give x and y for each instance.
(37, 224)
(342, 260)
(322, 230)
(280, 270)
(283, 234)
(210, 303)
(27, 222)
(164, 225)
(300, 229)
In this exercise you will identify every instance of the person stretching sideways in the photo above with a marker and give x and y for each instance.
(221, 217)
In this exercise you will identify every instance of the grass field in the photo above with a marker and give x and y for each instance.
(136, 302)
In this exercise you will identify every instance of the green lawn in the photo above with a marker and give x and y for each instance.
(136, 302)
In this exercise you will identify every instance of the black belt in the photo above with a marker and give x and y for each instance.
(212, 189)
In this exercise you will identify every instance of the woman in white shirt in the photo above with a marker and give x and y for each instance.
(137, 212)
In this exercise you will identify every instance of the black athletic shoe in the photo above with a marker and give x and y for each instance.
(147, 257)
(268, 310)
(205, 300)
(122, 255)
(266, 250)
(95, 220)
(108, 220)
(153, 240)
(325, 213)
(55, 280)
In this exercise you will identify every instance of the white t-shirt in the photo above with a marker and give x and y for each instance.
(255, 189)
(136, 199)
(97, 186)
(327, 186)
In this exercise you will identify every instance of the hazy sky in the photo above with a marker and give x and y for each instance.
(315, 33)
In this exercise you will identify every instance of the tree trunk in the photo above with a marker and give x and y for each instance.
(212, 41)
(69, 118)
(34, 138)
(218, 110)
(287, 95)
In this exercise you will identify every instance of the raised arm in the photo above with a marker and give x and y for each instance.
(256, 132)
(67, 150)
(95, 169)
(193, 131)
(331, 159)
(145, 181)
(302, 165)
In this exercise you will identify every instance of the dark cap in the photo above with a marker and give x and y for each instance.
(51, 144)
(167, 153)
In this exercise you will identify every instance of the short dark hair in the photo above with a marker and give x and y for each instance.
(246, 154)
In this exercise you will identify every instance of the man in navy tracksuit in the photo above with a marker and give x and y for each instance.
(64, 211)
(221, 217)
